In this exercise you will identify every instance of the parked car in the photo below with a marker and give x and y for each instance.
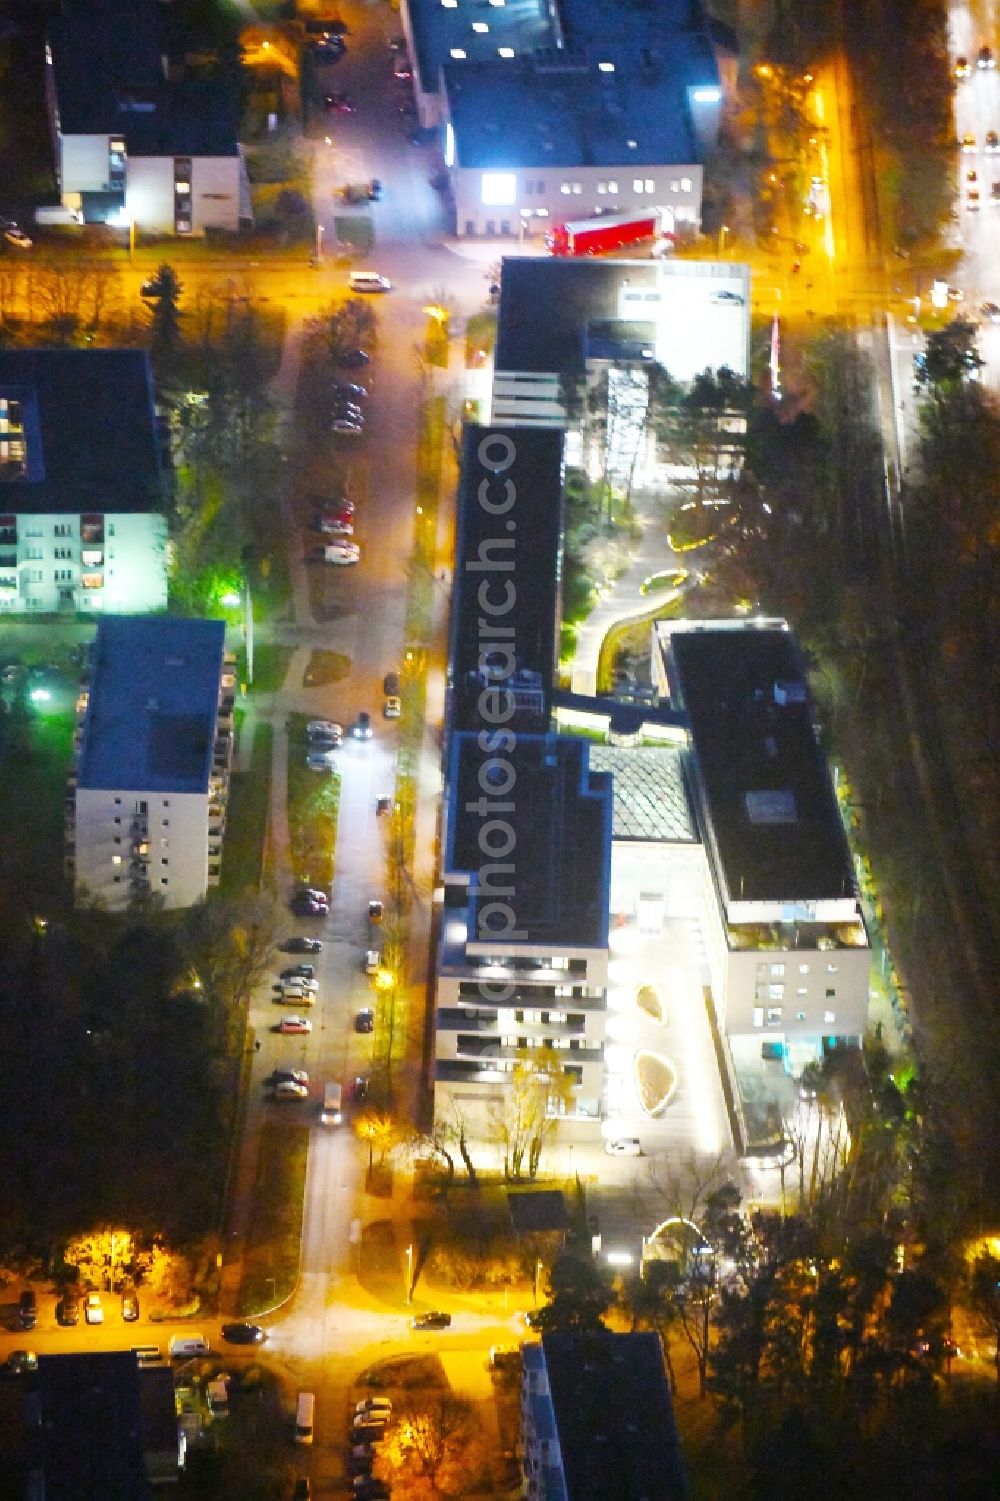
(289, 1090)
(345, 427)
(19, 1363)
(336, 526)
(294, 995)
(362, 729)
(313, 891)
(287, 1075)
(339, 104)
(962, 69)
(374, 190)
(328, 727)
(301, 986)
(299, 972)
(383, 804)
(130, 1305)
(393, 707)
(968, 142)
(356, 393)
(376, 911)
(360, 1464)
(321, 761)
(93, 1309)
(27, 1309)
(992, 141)
(342, 553)
(18, 238)
(364, 1021)
(433, 1320)
(373, 958)
(295, 1024)
(986, 58)
(310, 906)
(373, 1404)
(390, 683)
(68, 1308)
(352, 359)
(397, 44)
(359, 1089)
(303, 945)
(243, 1334)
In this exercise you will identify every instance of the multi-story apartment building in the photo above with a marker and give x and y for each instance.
(140, 138)
(523, 958)
(597, 1420)
(147, 813)
(81, 503)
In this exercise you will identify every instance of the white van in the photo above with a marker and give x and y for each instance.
(187, 1346)
(332, 1112)
(369, 281)
(305, 1411)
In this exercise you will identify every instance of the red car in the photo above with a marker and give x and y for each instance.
(339, 104)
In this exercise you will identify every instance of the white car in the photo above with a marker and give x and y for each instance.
(341, 553)
(392, 707)
(291, 995)
(17, 237)
(290, 1089)
(328, 728)
(300, 983)
(345, 426)
(373, 1404)
(336, 528)
(93, 1310)
(373, 959)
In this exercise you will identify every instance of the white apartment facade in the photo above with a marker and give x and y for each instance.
(146, 806)
(87, 562)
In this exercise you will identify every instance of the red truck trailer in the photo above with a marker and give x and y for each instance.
(595, 236)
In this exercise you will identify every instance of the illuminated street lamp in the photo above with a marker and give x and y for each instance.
(723, 231)
(409, 1273)
(320, 231)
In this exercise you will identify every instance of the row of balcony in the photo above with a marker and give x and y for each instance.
(468, 1019)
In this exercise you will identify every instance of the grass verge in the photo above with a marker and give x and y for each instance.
(313, 803)
(271, 1259)
(480, 337)
(270, 666)
(35, 753)
(246, 820)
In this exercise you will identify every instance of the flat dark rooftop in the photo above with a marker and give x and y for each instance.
(561, 821)
(509, 115)
(150, 723)
(107, 60)
(546, 306)
(91, 1432)
(527, 535)
(89, 429)
(770, 802)
(614, 1417)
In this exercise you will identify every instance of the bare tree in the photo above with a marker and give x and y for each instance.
(433, 1438)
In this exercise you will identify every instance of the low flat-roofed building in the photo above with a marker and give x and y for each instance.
(106, 1430)
(597, 1420)
(148, 814)
(537, 142)
(787, 946)
(81, 499)
(523, 954)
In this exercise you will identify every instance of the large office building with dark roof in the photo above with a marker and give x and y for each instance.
(82, 524)
(152, 776)
(786, 942)
(556, 111)
(140, 139)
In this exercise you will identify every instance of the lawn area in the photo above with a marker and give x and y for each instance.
(355, 230)
(380, 1264)
(246, 820)
(436, 342)
(271, 1262)
(32, 810)
(480, 337)
(632, 636)
(313, 801)
(270, 665)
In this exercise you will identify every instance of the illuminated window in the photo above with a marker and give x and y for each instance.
(774, 1016)
(758, 1016)
(606, 67)
(505, 51)
(829, 1017)
(800, 1016)
(685, 184)
(637, 184)
(803, 969)
(602, 187)
(116, 859)
(498, 188)
(565, 187)
(578, 187)
(480, 27)
(458, 52)
(650, 185)
(612, 185)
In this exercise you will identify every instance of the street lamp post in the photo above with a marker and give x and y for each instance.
(409, 1273)
(131, 242)
(248, 626)
(723, 231)
(538, 1273)
(320, 231)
